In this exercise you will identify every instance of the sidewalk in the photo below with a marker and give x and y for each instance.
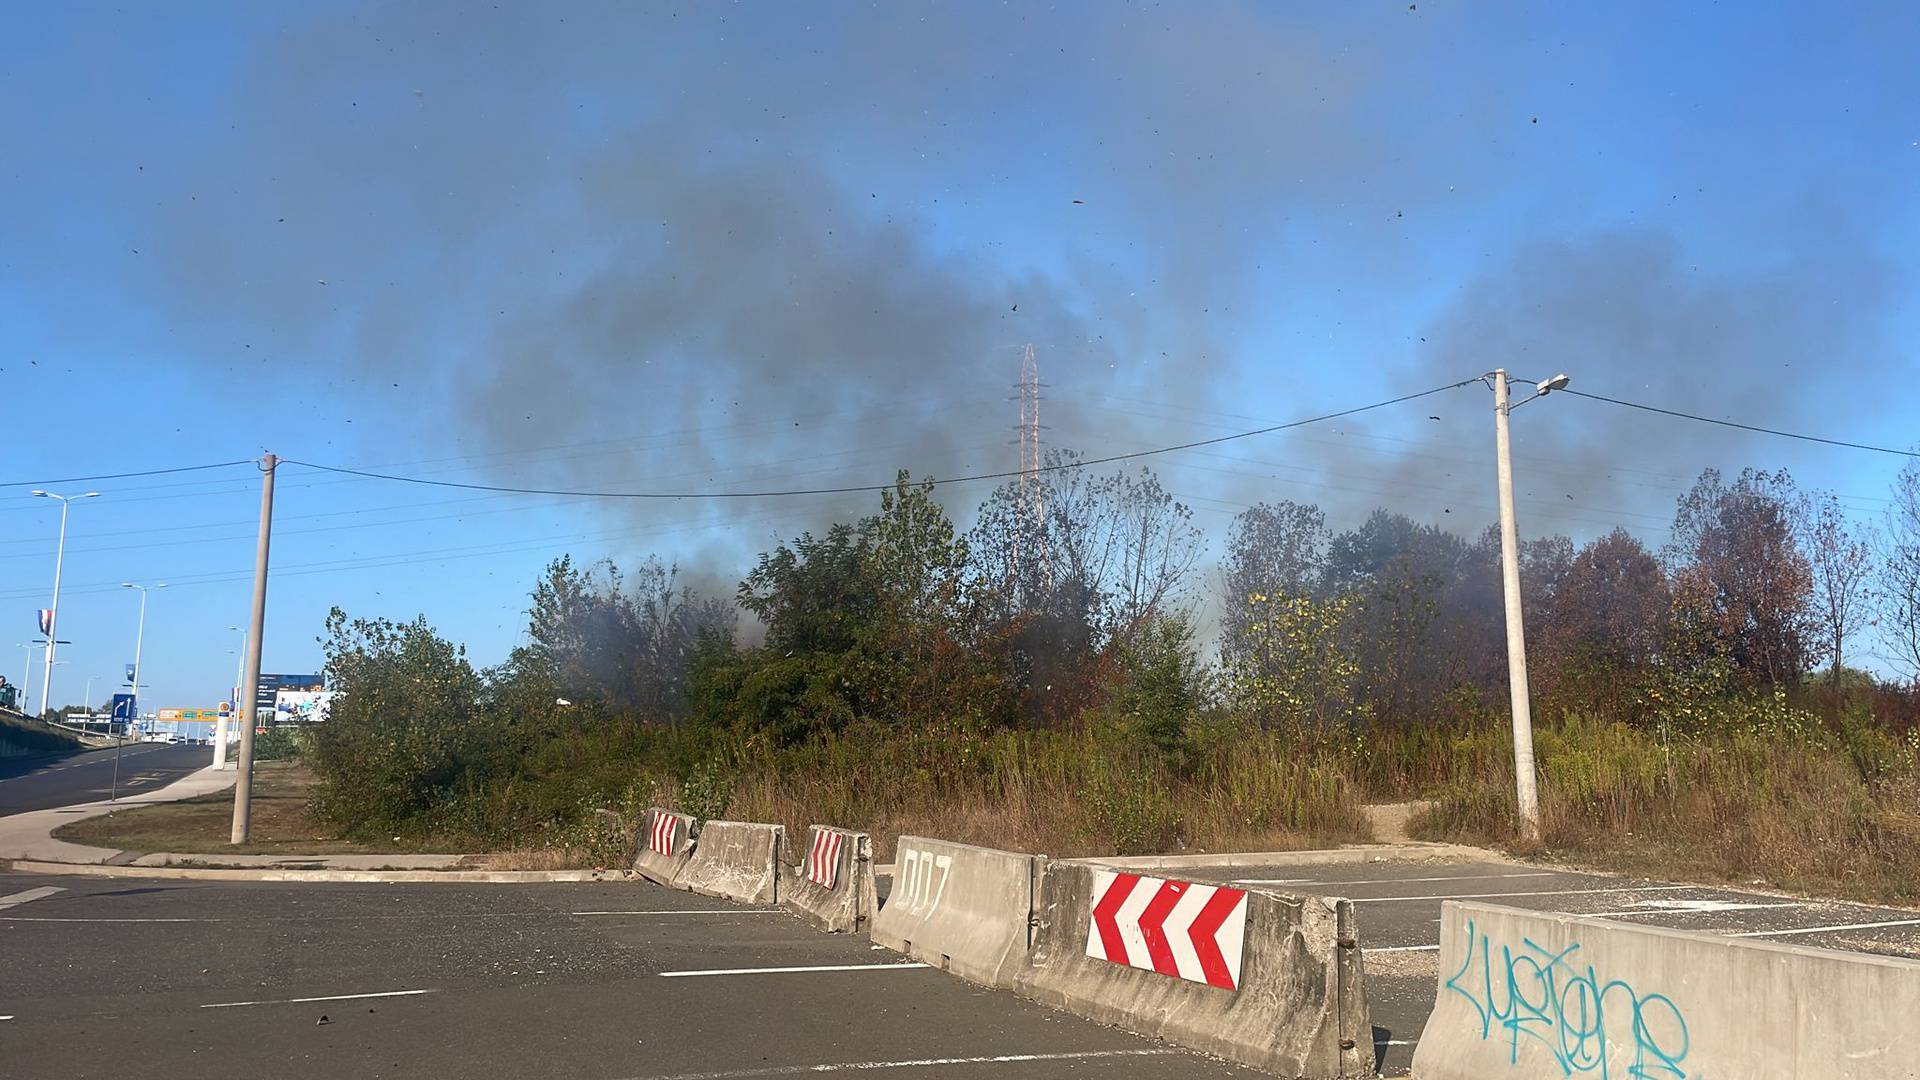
(29, 837)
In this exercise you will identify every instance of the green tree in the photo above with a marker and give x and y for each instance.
(1293, 667)
(1162, 690)
(404, 728)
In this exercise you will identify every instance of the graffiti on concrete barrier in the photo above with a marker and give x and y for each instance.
(1589, 1024)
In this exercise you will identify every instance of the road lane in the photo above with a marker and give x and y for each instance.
(88, 776)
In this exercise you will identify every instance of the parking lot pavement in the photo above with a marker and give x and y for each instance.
(1398, 911)
(604, 981)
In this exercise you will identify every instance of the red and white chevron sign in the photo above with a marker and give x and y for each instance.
(1179, 928)
(660, 838)
(823, 861)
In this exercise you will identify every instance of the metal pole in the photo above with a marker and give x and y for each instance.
(139, 639)
(243, 786)
(1523, 770)
(223, 725)
(113, 793)
(53, 613)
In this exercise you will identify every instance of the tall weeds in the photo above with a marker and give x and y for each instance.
(1057, 792)
(1749, 795)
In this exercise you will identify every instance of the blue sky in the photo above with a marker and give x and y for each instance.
(728, 246)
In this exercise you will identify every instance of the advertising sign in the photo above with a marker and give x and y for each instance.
(270, 685)
(46, 621)
(301, 706)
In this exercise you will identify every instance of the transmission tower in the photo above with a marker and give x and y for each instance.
(1032, 496)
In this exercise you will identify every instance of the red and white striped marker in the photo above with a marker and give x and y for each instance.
(823, 859)
(660, 842)
(1179, 928)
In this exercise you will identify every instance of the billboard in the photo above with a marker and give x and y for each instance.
(270, 685)
(301, 706)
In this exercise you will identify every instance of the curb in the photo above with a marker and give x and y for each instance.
(190, 873)
(1413, 851)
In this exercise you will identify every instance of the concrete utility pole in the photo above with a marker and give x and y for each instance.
(1525, 781)
(243, 786)
(53, 613)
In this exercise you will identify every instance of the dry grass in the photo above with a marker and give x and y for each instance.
(1813, 813)
(532, 859)
(280, 823)
(1066, 795)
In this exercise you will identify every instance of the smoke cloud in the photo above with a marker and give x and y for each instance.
(648, 248)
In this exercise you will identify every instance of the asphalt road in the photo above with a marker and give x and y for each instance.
(128, 978)
(1398, 912)
(42, 783)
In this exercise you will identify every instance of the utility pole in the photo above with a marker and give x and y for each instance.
(243, 786)
(1524, 778)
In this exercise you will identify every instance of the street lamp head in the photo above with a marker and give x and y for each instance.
(90, 495)
(42, 494)
(1558, 382)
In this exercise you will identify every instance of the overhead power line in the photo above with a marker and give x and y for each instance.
(863, 488)
(1744, 427)
(126, 475)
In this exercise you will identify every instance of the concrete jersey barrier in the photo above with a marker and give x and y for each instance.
(663, 845)
(736, 860)
(962, 908)
(1522, 994)
(1264, 978)
(829, 880)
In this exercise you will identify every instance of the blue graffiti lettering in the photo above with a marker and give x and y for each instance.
(1547, 998)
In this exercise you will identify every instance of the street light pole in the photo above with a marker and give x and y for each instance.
(1523, 768)
(26, 674)
(1525, 779)
(53, 613)
(139, 636)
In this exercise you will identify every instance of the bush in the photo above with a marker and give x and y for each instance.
(277, 743)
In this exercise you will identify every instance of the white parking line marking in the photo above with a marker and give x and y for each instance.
(1542, 892)
(786, 970)
(1826, 929)
(1403, 948)
(1681, 907)
(329, 997)
(920, 1063)
(1389, 881)
(29, 896)
(742, 911)
(49, 918)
